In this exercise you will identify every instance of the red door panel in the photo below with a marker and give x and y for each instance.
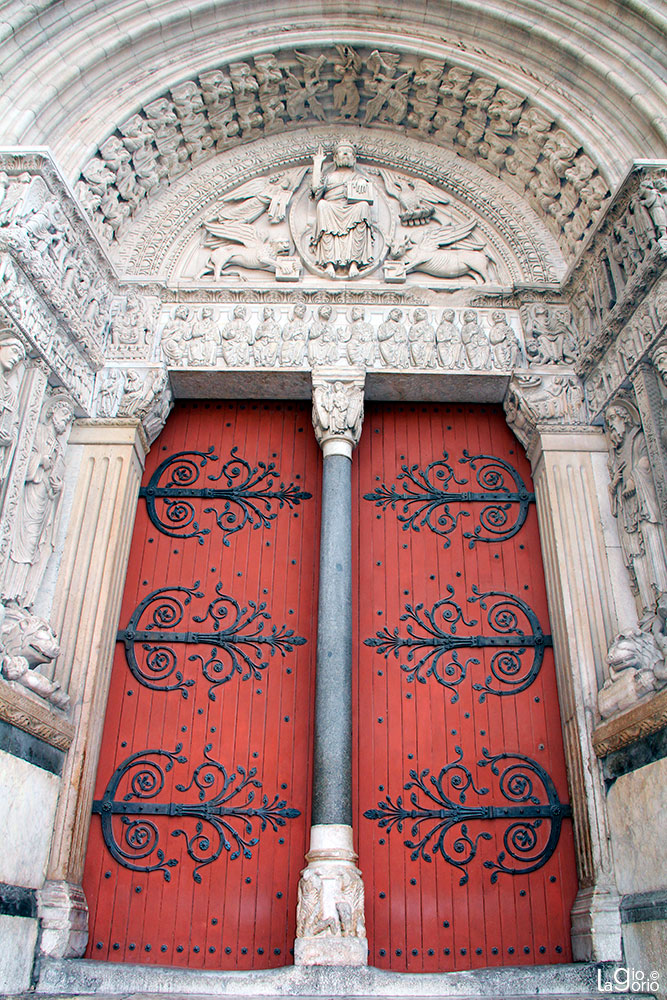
(463, 822)
(202, 799)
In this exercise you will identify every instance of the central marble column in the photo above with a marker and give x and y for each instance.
(330, 914)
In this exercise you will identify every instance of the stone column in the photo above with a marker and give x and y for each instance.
(589, 601)
(330, 915)
(85, 617)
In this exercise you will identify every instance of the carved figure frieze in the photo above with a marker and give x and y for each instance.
(273, 336)
(550, 336)
(34, 527)
(634, 502)
(444, 103)
(28, 643)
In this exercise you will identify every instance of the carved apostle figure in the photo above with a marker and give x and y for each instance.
(503, 340)
(295, 337)
(393, 341)
(475, 341)
(634, 502)
(237, 338)
(203, 340)
(267, 339)
(660, 364)
(361, 342)
(322, 339)
(34, 528)
(174, 335)
(12, 352)
(448, 341)
(343, 238)
(422, 340)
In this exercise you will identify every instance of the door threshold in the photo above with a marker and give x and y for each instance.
(83, 977)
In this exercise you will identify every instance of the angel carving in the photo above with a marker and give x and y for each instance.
(345, 92)
(390, 102)
(338, 410)
(299, 96)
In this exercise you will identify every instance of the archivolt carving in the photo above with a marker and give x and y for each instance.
(445, 104)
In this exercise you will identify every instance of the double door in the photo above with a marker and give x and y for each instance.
(202, 804)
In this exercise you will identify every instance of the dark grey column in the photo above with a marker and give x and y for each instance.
(332, 791)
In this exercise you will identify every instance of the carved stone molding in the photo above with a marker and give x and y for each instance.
(34, 716)
(622, 259)
(644, 718)
(338, 408)
(629, 349)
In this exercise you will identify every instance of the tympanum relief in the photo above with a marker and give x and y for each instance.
(338, 219)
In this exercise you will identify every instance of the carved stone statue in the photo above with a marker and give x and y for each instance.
(422, 340)
(393, 341)
(267, 339)
(26, 643)
(174, 335)
(203, 340)
(448, 340)
(361, 342)
(295, 337)
(343, 238)
(637, 661)
(12, 352)
(110, 384)
(475, 342)
(237, 339)
(34, 528)
(323, 339)
(550, 337)
(634, 502)
(504, 343)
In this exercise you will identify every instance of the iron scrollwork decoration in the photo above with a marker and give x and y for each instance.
(424, 497)
(534, 817)
(432, 643)
(223, 801)
(248, 494)
(237, 641)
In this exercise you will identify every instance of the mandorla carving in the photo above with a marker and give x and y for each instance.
(26, 644)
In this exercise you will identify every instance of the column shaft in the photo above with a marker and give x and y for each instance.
(332, 792)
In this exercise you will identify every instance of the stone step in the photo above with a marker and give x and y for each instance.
(83, 978)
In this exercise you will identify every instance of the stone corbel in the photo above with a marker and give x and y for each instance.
(146, 396)
(338, 409)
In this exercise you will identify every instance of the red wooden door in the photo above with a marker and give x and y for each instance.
(465, 840)
(202, 801)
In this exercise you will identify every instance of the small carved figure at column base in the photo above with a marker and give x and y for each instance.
(27, 642)
(637, 662)
(330, 925)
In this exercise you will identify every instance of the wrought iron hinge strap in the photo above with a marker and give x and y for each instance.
(424, 499)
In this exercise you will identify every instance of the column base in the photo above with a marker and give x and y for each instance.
(330, 925)
(596, 926)
(63, 915)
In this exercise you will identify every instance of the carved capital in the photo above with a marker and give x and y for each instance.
(338, 409)
(330, 924)
(147, 395)
(536, 403)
